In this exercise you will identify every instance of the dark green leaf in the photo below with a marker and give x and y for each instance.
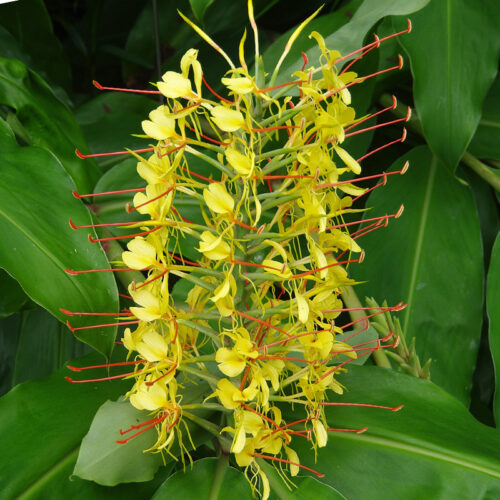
(433, 448)
(199, 7)
(47, 122)
(493, 301)
(38, 244)
(432, 259)
(485, 143)
(29, 22)
(341, 36)
(109, 120)
(208, 479)
(453, 69)
(13, 297)
(42, 425)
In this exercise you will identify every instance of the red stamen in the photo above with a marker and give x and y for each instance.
(357, 431)
(286, 358)
(154, 422)
(190, 172)
(74, 273)
(373, 115)
(215, 93)
(313, 271)
(128, 236)
(183, 260)
(149, 201)
(286, 84)
(207, 138)
(353, 223)
(278, 127)
(290, 337)
(71, 313)
(74, 329)
(109, 224)
(401, 139)
(365, 405)
(108, 193)
(151, 280)
(108, 365)
(262, 322)
(179, 215)
(114, 153)
(282, 460)
(265, 417)
(168, 372)
(398, 307)
(125, 296)
(134, 91)
(385, 124)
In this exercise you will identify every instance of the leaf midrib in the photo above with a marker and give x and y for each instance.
(436, 455)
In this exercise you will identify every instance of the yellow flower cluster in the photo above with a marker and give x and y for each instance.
(259, 325)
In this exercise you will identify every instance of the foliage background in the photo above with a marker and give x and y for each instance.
(442, 257)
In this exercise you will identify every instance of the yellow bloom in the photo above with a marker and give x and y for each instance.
(141, 254)
(218, 199)
(241, 163)
(231, 397)
(214, 248)
(228, 120)
(150, 305)
(175, 85)
(160, 126)
(239, 85)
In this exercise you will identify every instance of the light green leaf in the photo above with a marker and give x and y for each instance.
(453, 68)
(430, 258)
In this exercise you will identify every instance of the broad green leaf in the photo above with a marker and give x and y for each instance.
(29, 22)
(208, 479)
(13, 296)
(108, 463)
(485, 143)
(108, 121)
(492, 302)
(453, 68)
(346, 38)
(432, 448)
(430, 258)
(42, 425)
(45, 120)
(43, 345)
(199, 7)
(38, 244)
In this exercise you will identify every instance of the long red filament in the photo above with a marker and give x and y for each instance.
(364, 405)
(215, 93)
(107, 365)
(74, 329)
(262, 322)
(282, 460)
(71, 313)
(113, 153)
(108, 193)
(116, 89)
(149, 201)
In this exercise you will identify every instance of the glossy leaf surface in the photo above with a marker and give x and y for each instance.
(39, 244)
(493, 308)
(430, 258)
(453, 68)
(432, 448)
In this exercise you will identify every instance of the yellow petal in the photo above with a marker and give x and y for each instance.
(241, 163)
(175, 85)
(218, 199)
(348, 159)
(239, 85)
(228, 120)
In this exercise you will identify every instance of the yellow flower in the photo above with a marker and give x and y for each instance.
(150, 305)
(241, 163)
(212, 247)
(231, 397)
(218, 199)
(228, 120)
(160, 126)
(239, 85)
(175, 85)
(141, 254)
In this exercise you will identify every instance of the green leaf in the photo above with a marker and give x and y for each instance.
(29, 22)
(13, 297)
(109, 120)
(38, 243)
(485, 143)
(199, 7)
(46, 121)
(432, 448)
(453, 68)
(208, 479)
(492, 302)
(42, 425)
(432, 259)
(341, 36)
(108, 463)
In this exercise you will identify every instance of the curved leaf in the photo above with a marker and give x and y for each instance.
(432, 448)
(208, 479)
(432, 259)
(46, 121)
(453, 69)
(103, 460)
(13, 298)
(338, 36)
(485, 143)
(492, 302)
(38, 243)
(199, 7)
(42, 425)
